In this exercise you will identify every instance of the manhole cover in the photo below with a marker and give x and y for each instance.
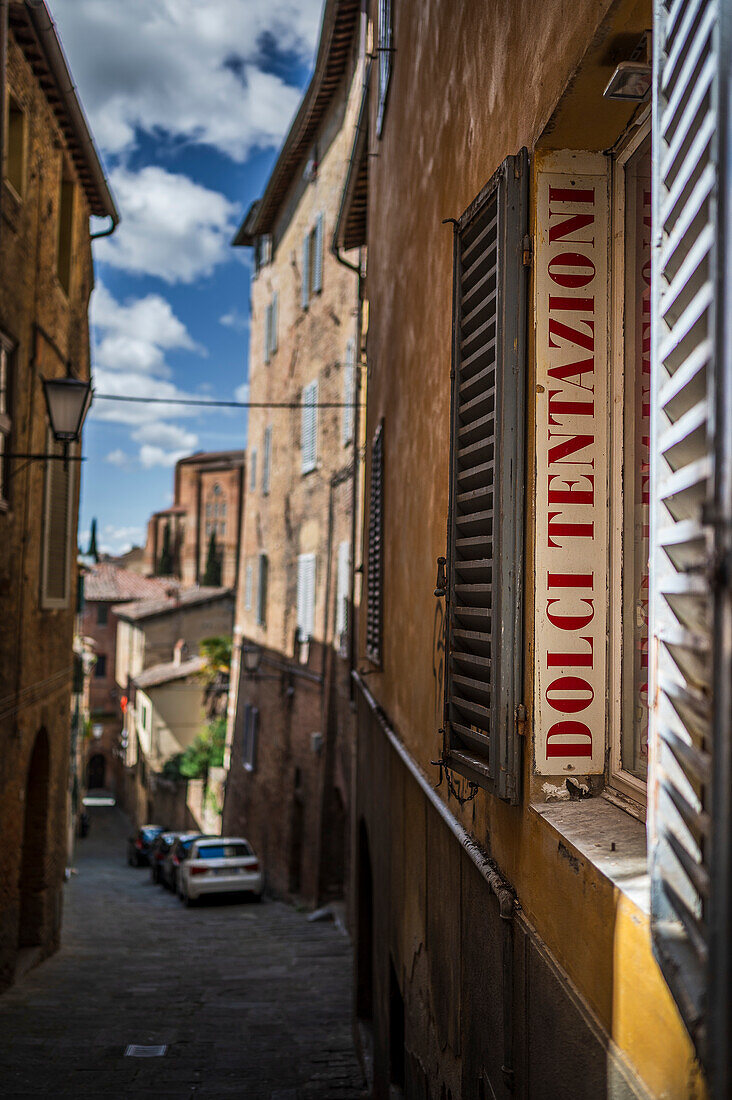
(134, 1050)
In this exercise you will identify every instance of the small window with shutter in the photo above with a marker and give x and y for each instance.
(306, 596)
(56, 561)
(485, 525)
(343, 586)
(317, 254)
(262, 590)
(250, 730)
(253, 469)
(248, 586)
(385, 48)
(305, 284)
(267, 461)
(309, 429)
(691, 527)
(375, 550)
(349, 372)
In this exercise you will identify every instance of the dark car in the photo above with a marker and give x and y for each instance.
(138, 846)
(159, 849)
(178, 853)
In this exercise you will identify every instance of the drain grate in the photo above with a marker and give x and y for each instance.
(135, 1050)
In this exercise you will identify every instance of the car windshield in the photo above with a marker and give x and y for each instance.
(149, 832)
(233, 850)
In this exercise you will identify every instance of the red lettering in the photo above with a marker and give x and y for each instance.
(569, 728)
(573, 660)
(568, 408)
(570, 495)
(572, 280)
(567, 703)
(570, 580)
(570, 622)
(570, 445)
(561, 331)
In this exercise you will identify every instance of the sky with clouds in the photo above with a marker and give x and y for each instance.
(188, 102)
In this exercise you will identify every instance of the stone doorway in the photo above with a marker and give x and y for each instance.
(96, 772)
(33, 870)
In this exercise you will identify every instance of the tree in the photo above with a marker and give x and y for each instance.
(212, 574)
(206, 751)
(216, 652)
(165, 563)
(92, 552)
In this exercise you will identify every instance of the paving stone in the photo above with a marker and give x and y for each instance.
(251, 1000)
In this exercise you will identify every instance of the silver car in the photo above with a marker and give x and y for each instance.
(219, 865)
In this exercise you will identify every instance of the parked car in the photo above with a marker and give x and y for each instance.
(138, 846)
(158, 851)
(177, 854)
(219, 865)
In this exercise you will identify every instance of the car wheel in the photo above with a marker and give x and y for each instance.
(257, 897)
(189, 902)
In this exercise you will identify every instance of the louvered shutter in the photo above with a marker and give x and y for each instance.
(248, 585)
(262, 590)
(252, 469)
(348, 391)
(318, 257)
(267, 331)
(308, 442)
(267, 461)
(375, 550)
(342, 589)
(274, 321)
(305, 286)
(306, 595)
(56, 561)
(691, 522)
(485, 527)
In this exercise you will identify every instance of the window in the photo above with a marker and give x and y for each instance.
(65, 232)
(57, 530)
(145, 715)
(267, 461)
(309, 430)
(102, 614)
(270, 329)
(375, 550)
(631, 458)
(343, 586)
(16, 147)
(100, 668)
(484, 539)
(312, 261)
(248, 585)
(385, 50)
(249, 737)
(349, 371)
(263, 251)
(306, 596)
(253, 470)
(6, 348)
(262, 591)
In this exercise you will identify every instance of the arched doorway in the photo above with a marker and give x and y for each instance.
(96, 771)
(34, 856)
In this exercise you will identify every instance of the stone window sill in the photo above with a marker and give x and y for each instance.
(608, 838)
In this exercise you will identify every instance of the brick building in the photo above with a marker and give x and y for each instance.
(52, 181)
(105, 586)
(208, 498)
(290, 733)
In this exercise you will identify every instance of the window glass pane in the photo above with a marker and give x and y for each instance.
(636, 472)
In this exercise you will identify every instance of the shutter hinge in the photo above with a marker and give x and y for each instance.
(441, 582)
(527, 251)
(521, 720)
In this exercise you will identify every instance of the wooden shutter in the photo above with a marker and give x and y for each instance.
(267, 460)
(305, 286)
(248, 585)
(262, 590)
(691, 526)
(318, 257)
(56, 561)
(273, 323)
(252, 469)
(485, 525)
(348, 392)
(306, 595)
(308, 442)
(375, 550)
(250, 729)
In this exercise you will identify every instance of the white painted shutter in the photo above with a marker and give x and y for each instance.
(267, 331)
(267, 460)
(691, 527)
(348, 392)
(342, 589)
(262, 590)
(306, 595)
(248, 585)
(318, 258)
(273, 319)
(308, 442)
(252, 469)
(305, 286)
(58, 509)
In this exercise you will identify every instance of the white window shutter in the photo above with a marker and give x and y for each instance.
(306, 595)
(318, 258)
(252, 469)
(267, 460)
(691, 528)
(248, 585)
(309, 428)
(273, 336)
(348, 393)
(305, 292)
(342, 589)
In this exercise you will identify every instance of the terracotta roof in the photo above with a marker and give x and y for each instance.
(166, 673)
(201, 457)
(340, 21)
(112, 584)
(188, 597)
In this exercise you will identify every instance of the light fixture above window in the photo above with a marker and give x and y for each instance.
(630, 81)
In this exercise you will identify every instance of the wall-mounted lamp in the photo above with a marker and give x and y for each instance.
(630, 81)
(251, 659)
(67, 403)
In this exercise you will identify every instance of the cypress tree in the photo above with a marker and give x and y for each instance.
(92, 552)
(212, 574)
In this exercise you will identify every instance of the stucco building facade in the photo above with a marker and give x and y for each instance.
(290, 735)
(537, 906)
(52, 181)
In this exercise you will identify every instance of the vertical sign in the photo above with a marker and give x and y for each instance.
(571, 619)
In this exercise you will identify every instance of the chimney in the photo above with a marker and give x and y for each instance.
(180, 651)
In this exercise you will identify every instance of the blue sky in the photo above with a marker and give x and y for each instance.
(188, 103)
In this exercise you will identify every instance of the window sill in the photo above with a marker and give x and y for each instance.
(608, 838)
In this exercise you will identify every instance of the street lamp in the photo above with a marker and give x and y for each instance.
(67, 403)
(252, 658)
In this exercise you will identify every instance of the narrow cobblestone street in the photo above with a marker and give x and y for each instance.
(250, 1000)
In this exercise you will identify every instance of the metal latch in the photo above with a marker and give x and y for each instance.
(441, 583)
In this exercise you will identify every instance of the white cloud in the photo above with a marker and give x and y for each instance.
(172, 227)
(235, 319)
(167, 436)
(118, 540)
(134, 335)
(187, 70)
(158, 456)
(241, 393)
(118, 457)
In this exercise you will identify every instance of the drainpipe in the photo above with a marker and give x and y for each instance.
(3, 84)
